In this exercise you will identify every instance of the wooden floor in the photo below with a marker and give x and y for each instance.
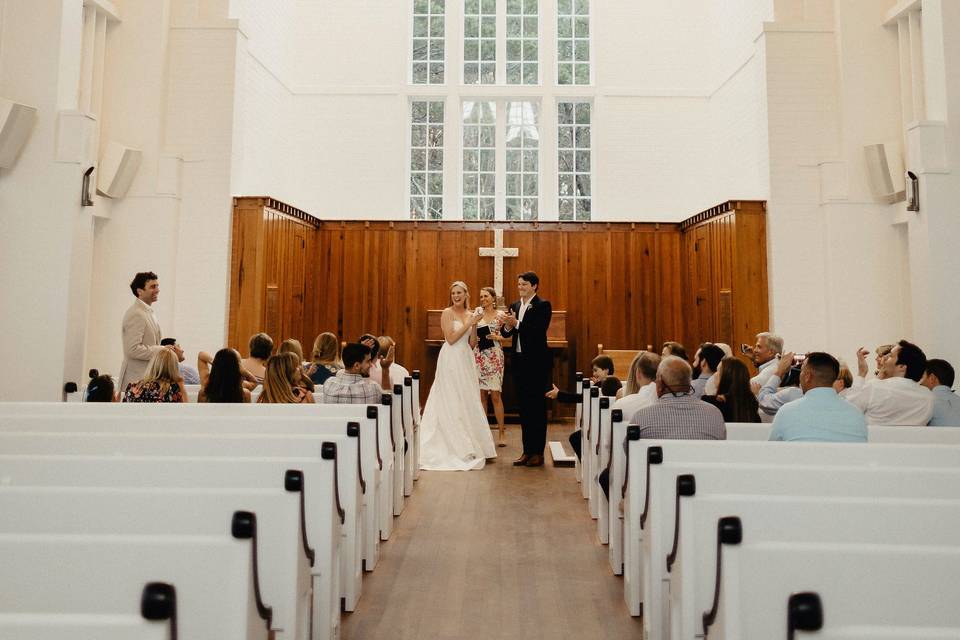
(506, 552)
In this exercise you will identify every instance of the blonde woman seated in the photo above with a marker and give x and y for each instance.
(291, 345)
(325, 357)
(161, 383)
(281, 382)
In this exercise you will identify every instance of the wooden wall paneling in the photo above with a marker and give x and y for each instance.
(750, 293)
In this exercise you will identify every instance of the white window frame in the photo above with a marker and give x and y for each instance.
(444, 156)
(557, 39)
(538, 38)
(498, 53)
(593, 158)
(411, 15)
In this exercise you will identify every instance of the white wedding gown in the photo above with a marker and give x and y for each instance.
(454, 434)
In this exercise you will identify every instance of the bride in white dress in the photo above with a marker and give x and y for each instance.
(454, 434)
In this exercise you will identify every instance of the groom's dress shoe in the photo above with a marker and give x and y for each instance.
(535, 461)
(522, 460)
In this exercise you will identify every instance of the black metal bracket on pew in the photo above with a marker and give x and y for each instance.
(353, 431)
(159, 602)
(686, 487)
(633, 433)
(293, 481)
(654, 456)
(387, 400)
(604, 404)
(804, 613)
(398, 391)
(244, 527)
(372, 414)
(328, 451)
(729, 531)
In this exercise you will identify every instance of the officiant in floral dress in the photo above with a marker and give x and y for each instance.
(489, 354)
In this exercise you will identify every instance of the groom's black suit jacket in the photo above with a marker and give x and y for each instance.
(533, 331)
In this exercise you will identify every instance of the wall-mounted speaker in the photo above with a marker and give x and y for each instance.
(118, 167)
(885, 169)
(16, 122)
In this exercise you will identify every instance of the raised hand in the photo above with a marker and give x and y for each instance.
(553, 393)
(510, 320)
(786, 361)
(388, 359)
(862, 368)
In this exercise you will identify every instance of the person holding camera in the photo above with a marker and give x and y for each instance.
(782, 387)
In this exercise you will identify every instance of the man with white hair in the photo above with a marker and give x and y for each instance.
(677, 414)
(765, 356)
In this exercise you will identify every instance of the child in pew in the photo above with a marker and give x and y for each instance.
(281, 383)
(101, 388)
(221, 378)
(602, 367)
(161, 383)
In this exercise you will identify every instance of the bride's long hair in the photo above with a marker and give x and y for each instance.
(466, 290)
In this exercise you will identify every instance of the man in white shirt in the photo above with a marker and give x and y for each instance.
(765, 356)
(898, 399)
(140, 330)
(397, 372)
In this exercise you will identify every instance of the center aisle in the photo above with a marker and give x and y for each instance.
(506, 552)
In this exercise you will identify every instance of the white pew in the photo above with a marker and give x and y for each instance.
(904, 587)
(399, 446)
(790, 519)
(587, 451)
(408, 436)
(283, 566)
(375, 433)
(311, 478)
(603, 439)
(73, 574)
(844, 454)
(584, 433)
(875, 433)
(671, 483)
(618, 475)
(578, 422)
(348, 488)
(25, 626)
(260, 420)
(415, 393)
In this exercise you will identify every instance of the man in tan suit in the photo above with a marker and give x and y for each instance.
(141, 331)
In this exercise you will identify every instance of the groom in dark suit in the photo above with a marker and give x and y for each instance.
(527, 321)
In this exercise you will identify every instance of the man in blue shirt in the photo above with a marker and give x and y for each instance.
(938, 377)
(820, 415)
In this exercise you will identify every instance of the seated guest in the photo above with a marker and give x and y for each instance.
(325, 357)
(221, 378)
(282, 382)
(709, 362)
(897, 398)
(781, 388)
(641, 388)
(677, 415)
(291, 345)
(100, 388)
(602, 367)
(765, 356)
(161, 383)
(352, 384)
(710, 389)
(376, 360)
(882, 352)
(386, 346)
(845, 381)
(261, 346)
(188, 373)
(938, 377)
(671, 348)
(820, 415)
(610, 387)
(734, 397)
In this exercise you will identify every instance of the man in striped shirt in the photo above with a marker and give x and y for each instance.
(678, 414)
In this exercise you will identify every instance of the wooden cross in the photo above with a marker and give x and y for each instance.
(498, 252)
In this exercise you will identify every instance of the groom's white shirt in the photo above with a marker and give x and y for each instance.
(523, 310)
